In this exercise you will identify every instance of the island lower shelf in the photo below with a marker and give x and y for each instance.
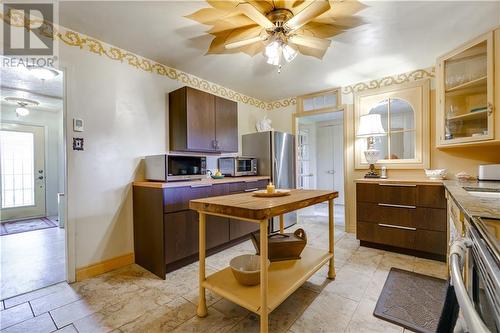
(284, 278)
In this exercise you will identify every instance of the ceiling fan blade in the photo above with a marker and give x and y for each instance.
(255, 15)
(245, 42)
(309, 13)
(310, 41)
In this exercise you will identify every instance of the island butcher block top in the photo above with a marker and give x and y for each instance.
(247, 206)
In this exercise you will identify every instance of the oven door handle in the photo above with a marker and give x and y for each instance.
(457, 256)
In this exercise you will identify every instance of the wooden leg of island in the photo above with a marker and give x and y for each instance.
(202, 304)
(263, 277)
(282, 224)
(331, 236)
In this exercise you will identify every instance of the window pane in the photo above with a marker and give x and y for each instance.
(382, 109)
(402, 115)
(319, 102)
(331, 100)
(403, 145)
(308, 104)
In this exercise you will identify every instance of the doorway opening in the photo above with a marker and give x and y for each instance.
(32, 180)
(320, 160)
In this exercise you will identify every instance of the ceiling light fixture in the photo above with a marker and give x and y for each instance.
(278, 50)
(22, 111)
(22, 105)
(43, 73)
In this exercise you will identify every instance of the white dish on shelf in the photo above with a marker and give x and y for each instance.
(435, 173)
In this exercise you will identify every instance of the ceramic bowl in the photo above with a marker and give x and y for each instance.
(246, 269)
(217, 177)
(436, 173)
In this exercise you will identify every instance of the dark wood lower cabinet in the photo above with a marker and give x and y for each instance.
(403, 218)
(166, 231)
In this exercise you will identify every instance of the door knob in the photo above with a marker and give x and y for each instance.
(40, 177)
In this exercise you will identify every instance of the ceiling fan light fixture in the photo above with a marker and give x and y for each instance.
(273, 49)
(289, 53)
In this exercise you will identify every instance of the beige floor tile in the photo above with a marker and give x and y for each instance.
(119, 314)
(376, 285)
(363, 321)
(230, 310)
(67, 329)
(430, 267)
(71, 312)
(349, 283)
(397, 260)
(15, 315)
(365, 261)
(328, 313)
(36, 294)
(282, 318)
(2, 306)
(40, 324)
(210, 296)
(53, 301)
(214, 322)
(162, 319)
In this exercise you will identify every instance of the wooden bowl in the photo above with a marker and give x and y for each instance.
(246, 269)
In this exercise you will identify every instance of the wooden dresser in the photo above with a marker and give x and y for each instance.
(402, 216)
(166, 230)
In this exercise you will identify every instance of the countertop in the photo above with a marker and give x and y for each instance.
(417, 181)
(202, 182)
(474, 206)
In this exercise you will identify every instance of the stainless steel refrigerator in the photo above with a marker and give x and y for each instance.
(275, 152)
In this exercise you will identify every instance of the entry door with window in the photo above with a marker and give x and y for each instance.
(22, 168)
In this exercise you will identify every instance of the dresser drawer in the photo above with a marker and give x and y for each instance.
(233, 188)
(177, 198)
(380, 213)
(431, 196)
(367, 192)
(398, 194)
(386, 235)
(255, 185)
(431, 241)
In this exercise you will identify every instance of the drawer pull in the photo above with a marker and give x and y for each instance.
(251, 189)
(396, 227)
(397, 206)
(398, 185)
(201, 185)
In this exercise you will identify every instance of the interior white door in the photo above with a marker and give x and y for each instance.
(330, 159)
(22, 169)
(324, 153)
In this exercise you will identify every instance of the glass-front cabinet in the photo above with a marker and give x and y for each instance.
(465, 83)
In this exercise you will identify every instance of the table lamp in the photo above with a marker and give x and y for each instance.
(370, 126)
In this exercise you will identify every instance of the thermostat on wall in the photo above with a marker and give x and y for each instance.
(77, 125)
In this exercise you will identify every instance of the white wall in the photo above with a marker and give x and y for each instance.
(54, 158)
(125, 114)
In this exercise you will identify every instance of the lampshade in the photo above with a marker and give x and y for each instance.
(370, 125)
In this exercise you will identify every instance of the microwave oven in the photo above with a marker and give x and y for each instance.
(238, 166)
(170, 167)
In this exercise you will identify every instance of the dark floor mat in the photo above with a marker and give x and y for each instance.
(412, 300)
(15, 227)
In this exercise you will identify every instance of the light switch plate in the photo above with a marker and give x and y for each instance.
(77, 125)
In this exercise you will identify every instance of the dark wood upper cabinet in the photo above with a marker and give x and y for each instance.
(202, 122)
(226, 124)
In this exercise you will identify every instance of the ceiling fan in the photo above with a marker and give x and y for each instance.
(281, 29)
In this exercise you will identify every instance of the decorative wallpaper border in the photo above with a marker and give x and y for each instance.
(389, 80)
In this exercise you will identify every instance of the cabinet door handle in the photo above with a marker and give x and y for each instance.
(251, 189)
(201, 185)
(397, 206)
(396, 226)
(398, 185)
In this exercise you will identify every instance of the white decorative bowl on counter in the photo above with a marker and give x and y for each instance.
(435, 173)
(246, 269)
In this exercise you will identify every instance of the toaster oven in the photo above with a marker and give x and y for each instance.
(238, 166)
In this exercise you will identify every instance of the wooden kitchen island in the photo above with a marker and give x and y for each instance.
(282, 278)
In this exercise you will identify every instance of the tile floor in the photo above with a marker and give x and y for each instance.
(133, 300)
(31, 260)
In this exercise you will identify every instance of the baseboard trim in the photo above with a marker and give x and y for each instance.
(86, 272)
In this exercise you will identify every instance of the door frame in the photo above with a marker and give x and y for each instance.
(348, 155)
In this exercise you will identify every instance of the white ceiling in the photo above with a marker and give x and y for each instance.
(20, 82)
(397, 37)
